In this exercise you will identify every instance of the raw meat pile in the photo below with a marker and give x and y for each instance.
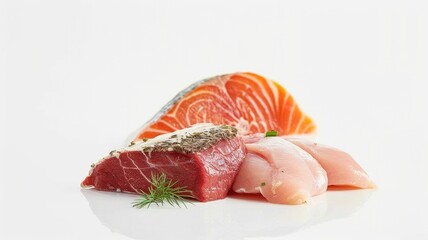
(210, 139)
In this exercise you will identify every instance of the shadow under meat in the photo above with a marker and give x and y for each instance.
(232, 218)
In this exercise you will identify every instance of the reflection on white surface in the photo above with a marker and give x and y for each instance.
(231, 218)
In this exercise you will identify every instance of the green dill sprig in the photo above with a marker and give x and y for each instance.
(163, 190)
(271, 133)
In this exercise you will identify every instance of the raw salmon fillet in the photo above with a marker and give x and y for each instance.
(203, 158)
(251, 103)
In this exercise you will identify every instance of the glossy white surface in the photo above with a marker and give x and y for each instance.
(78, 77)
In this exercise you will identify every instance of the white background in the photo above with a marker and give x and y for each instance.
(78, 77)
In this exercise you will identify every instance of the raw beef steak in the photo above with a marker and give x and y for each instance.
(204, 158)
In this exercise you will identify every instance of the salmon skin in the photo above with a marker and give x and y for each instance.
(247, 101)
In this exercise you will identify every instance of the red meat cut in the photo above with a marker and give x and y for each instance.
(204, 158)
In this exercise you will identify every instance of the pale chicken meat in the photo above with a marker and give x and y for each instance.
(289, 170)
(341, 168)
(280, 171)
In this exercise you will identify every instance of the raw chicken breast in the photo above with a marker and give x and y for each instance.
(341, 168)
(280, 171)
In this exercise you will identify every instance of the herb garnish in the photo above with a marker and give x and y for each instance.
(163, 190)
(262, 184)
(271, 133)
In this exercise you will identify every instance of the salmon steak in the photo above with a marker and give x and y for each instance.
(247, 101)
(203, 158)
